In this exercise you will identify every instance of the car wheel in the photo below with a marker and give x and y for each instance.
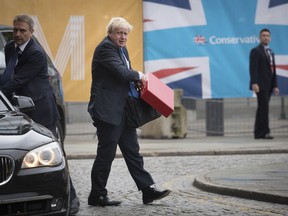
(59, 133)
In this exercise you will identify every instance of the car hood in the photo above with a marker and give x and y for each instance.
(20, 132)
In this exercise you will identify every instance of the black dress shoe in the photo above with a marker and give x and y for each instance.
(102, 201)
(268, 136)
(150, 194)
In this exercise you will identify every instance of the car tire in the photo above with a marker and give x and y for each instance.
(59, 133)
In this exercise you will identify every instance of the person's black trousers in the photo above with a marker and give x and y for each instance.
(261, 127)
(108, 137)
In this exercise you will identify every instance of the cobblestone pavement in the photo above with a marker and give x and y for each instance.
(176, 174)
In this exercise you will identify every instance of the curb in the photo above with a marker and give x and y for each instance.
(192, 153)
(201, 183)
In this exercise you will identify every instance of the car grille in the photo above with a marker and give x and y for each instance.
(25, 208)
(6, 169)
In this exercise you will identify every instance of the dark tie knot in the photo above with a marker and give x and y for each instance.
(17, 49)
(269, 50)
(122, 52)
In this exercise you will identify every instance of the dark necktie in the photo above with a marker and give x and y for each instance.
(270, 57)
(132, 90)
(268, 53)
(10, 67)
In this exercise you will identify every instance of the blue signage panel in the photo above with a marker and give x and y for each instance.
(203, 46)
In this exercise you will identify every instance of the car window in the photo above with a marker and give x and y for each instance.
(5, 103)
(3, 107)
(4, 37)
(2, 55)
(2, 58)
(8, 35)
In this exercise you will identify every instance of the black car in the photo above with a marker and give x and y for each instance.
(34, 177)
(6, 34)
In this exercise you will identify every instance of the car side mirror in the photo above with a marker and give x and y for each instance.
(23, 103)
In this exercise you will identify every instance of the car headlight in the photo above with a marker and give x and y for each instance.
(48, 155)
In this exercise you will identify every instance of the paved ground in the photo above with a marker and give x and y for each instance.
(244, 167)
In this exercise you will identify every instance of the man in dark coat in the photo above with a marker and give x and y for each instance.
(30, 78)
(263, 81)
(112, 76)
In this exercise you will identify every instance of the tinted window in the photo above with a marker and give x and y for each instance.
(4, 37)
(3, 107)
(8, 35)
(2, 56)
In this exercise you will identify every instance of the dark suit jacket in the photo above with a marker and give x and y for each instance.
(31, 79)
(261, 72)
(110, 83)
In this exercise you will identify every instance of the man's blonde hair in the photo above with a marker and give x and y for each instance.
(118, 22)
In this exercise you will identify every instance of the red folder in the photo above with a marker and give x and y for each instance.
(158, 95)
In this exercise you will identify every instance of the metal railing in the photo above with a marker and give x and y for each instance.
(232, 117)
(205, 117)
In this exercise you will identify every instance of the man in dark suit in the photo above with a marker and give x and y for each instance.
(27, 75)
(263, 81)
(111, 78)
(30, 76)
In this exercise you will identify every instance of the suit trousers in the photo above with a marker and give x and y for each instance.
(108, 137)
(261, 127)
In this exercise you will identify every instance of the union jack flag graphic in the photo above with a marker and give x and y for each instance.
(282, 72)
(164, 14)
(199, 39)
(185, 47)
(191, 73)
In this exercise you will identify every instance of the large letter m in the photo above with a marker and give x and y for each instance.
(72, 45)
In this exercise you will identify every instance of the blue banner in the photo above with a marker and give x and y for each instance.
(203, 46)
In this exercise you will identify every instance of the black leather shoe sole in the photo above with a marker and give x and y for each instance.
(103, 203)
(265, 137)
(164, 194)
(115, 203)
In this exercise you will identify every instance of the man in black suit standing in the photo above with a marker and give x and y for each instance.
(112, 77)
(263, 81)
(26, 74)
